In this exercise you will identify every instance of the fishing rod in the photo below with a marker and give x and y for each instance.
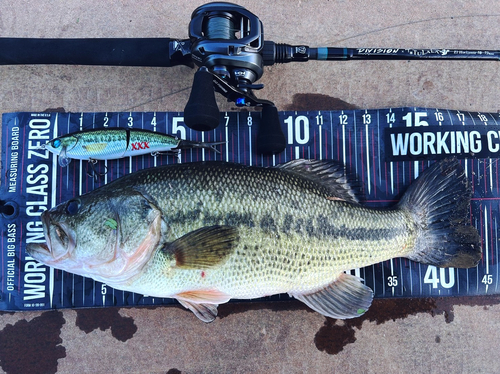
(226, 43)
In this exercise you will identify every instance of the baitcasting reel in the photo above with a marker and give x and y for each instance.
(226, 42)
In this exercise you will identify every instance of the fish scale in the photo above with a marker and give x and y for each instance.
(254, 194)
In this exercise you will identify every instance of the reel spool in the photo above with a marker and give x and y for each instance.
(227, 39)
(226, 43)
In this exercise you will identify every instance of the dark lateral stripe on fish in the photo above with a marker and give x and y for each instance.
(229, 219)
(314, 228)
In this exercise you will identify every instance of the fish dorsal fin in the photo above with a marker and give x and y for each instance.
(203, 248)
(345, 298)
(203, 303)
(327, 173)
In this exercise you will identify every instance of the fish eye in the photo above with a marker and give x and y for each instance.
(73, 206)
(56, 143)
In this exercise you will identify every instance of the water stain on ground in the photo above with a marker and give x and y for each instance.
(312, 101)
(233, 308)
(174, 371)
(122, 328)
(334, 335)
(34, 346)
(55, 110)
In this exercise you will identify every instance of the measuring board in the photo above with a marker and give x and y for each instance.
(386, 149)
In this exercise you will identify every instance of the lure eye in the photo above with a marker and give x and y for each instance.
(73, 206)
(56, 143)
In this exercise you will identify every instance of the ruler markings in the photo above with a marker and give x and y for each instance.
(354, 144)
(53, 204)
(496, 254)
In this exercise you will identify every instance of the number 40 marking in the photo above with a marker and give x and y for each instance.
(431, 277)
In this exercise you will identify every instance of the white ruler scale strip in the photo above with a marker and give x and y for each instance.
(486, 250)
(367, 142)
(496, 254)
(53, 203)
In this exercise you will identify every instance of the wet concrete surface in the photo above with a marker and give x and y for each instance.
(431, 335)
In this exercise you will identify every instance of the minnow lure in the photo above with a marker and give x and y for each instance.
(114, 143)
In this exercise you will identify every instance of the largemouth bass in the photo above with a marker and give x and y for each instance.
(204, 233)
(114, 143)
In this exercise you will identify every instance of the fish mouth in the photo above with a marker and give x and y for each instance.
(38, 251)
(59, 241)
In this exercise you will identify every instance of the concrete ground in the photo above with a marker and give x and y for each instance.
(423, 335)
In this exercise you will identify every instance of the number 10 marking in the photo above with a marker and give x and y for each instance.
(300, 134)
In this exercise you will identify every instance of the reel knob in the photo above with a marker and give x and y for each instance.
(201, 112)
(270, 138)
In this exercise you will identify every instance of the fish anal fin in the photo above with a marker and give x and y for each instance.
(345, 298)
(203, 248)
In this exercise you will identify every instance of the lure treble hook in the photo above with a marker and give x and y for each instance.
(93, 172)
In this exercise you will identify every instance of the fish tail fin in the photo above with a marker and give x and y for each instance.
(439, 202)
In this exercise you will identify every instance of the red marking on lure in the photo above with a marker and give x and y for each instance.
(140, 145)
(203, 274)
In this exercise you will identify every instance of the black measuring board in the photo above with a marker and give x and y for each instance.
(386, 149)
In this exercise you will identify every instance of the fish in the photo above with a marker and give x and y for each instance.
(205, 233)
(115, 143)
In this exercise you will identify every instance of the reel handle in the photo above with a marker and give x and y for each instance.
(270, 137)
(201, 112)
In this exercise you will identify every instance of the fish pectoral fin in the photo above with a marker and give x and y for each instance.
(345, 298)
(205, 312)
(203, 248)
(203, 303)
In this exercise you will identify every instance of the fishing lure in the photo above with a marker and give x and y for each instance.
(115, 143)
